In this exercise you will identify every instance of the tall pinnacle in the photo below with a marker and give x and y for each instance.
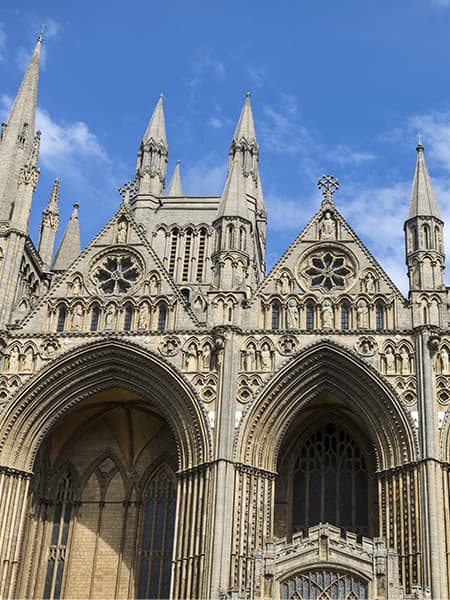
(175, 188)
(245, 129)
(234, 197)
(422, 201)
(70, 247)
(49, 225)
(16, 141)
(156, 129)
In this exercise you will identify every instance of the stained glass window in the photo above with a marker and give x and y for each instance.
(324, 585)
(157, 538)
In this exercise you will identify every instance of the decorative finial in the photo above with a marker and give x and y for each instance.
(161, 96)
(127, 191)
(247, 95)
(41, 33)
(419, 142)
(328, 184)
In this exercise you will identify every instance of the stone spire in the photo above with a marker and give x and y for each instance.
(175, 188)
(422, 201)
(70, 246)
(234, 198)
(18, 142)
(424, 243)
(244, 144)
(49, 225)
(153, 154)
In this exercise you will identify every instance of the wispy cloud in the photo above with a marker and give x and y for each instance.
(344, 156)
(205, 65)
(256, 76)
(440, 3)
(60, 141)
(206, 177)
(434, 128)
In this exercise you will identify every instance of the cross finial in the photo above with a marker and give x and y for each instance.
(328, 185)
(127, 191)
(419, 138)
(41, 33)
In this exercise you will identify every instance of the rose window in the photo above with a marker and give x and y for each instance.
(116, 274)
(328, 272)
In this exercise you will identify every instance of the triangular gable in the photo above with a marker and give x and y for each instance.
(328, 231)
(134, 270)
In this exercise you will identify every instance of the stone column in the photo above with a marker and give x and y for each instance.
(14, 487)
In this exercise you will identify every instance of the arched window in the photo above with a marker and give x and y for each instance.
(330, 482)
(157, 539)
(201, 254)
(95, 315)
(173, 251)
(426, 236)
(415, 238)
(187, 255)
(276, 315)
(59, 537)
(310, 316)
(218, 238)
(242, 239)
(62, 313)
(345, 316)
(230, 236)
(162, 317)
(379, 315)
(127, 317)
(324, 584)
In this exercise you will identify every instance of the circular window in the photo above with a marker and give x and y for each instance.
(116, 273)
(327, 270)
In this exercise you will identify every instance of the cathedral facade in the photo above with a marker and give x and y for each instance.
(175, 422)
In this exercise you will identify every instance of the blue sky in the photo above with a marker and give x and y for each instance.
(337, 87)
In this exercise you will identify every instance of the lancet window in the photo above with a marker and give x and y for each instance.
(128, 317)
(201, 254)
(276, 315)
(345, 316)
(173, 251)
(61, 321)
(157, 538)
(59, 538)
(162, 316)
(379, 315)
(330, 482)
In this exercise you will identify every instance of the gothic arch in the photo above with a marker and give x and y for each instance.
(92, 368)
(326, 367)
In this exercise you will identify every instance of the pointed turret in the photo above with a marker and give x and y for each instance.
(152, 156)
(175, 188)
(18, 155)
(234, 199)
(49, 226)
(70, 247)
(422, 201)
(244, 144)
(424, 242)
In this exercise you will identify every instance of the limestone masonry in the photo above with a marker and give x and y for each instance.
(175, 422)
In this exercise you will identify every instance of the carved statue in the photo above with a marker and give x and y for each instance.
(110, 313)
(28, 360)
(292, 314)
(266, 358)
(327, 227)
(249, 358)
(14, 360)
(284, 284)
(327, 315)
(370, 283)
(122, 231)
(206, 359)
(191, 358)
(362, 315)
(390, 360)
(444, 360)
(77, 317)
(76, 287)
(144, 314)
(405, 361)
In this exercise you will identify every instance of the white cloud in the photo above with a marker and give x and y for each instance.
(257, 75)
(206, 177)
(440, 3)
(434, 128)
(59, 141)
(216, 123)
(344, 156)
